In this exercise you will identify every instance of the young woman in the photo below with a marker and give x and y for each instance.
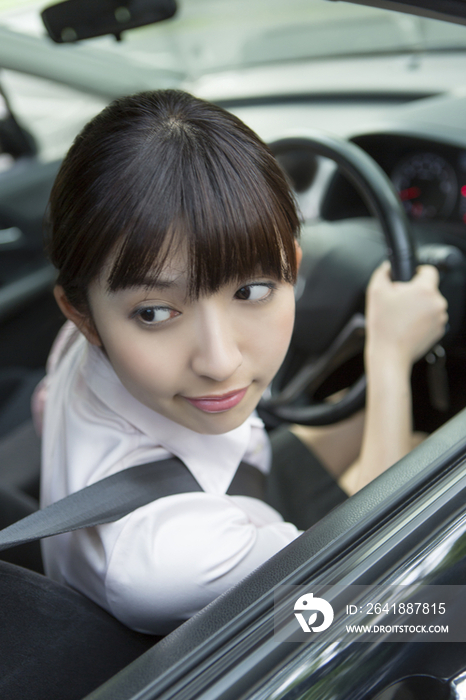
(175, 236)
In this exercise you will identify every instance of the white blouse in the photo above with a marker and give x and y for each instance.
(159, 565)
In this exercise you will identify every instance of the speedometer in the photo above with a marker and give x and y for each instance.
(427, 185)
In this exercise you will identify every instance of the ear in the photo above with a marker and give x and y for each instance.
(82, 322)
(299, 254)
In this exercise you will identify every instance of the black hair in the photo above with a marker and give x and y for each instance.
(161, 169)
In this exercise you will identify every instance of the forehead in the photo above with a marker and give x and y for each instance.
(174, 269)
(200, 265)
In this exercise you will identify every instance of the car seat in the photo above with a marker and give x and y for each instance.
(20, 460)
(16, 387)
(19, 443)
(14, 505)
(55, 643)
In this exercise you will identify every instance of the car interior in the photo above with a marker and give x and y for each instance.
(395, 189)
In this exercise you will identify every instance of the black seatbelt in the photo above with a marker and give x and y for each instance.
(117, 495)
(248, 481)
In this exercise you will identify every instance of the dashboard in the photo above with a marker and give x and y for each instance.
(429, 176)
(418, 140)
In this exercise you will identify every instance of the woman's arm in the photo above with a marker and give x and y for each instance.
(403, 321)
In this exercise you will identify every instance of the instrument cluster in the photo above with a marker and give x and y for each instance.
(429, 177)
(430, 187)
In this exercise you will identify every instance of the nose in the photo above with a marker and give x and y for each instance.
(217, 354)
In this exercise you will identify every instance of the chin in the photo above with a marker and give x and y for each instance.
(219, 423)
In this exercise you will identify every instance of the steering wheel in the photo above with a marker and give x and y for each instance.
(293, 401)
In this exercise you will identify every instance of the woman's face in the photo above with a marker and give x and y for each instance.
(203, 363)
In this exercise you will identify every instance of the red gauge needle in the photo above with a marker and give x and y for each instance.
(410, 193)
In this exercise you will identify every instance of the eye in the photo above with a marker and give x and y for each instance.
(255, 292)
(153, 315)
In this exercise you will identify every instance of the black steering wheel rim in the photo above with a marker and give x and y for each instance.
(377, 191)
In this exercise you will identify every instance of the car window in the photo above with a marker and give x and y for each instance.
(54, 113)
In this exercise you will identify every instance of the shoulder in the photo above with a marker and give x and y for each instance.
(172, 557)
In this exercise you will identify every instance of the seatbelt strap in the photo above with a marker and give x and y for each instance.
(117, 495)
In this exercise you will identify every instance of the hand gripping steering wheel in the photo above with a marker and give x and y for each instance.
(286, 403)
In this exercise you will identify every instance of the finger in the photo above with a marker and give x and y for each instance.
(381, 273)
(385, 265)
(428, 273)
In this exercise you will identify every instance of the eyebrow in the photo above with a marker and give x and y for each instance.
(155, 283)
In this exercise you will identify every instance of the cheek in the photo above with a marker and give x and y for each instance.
(146, 363)
(143, 363)
(272, 337)
(282, 337)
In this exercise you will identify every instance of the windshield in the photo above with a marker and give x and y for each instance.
(223, 51)
(207, 36)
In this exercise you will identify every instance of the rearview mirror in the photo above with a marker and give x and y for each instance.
(74, 20)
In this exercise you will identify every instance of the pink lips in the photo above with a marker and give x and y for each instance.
(217, 404)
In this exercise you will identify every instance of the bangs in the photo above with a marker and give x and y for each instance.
(226, 217)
